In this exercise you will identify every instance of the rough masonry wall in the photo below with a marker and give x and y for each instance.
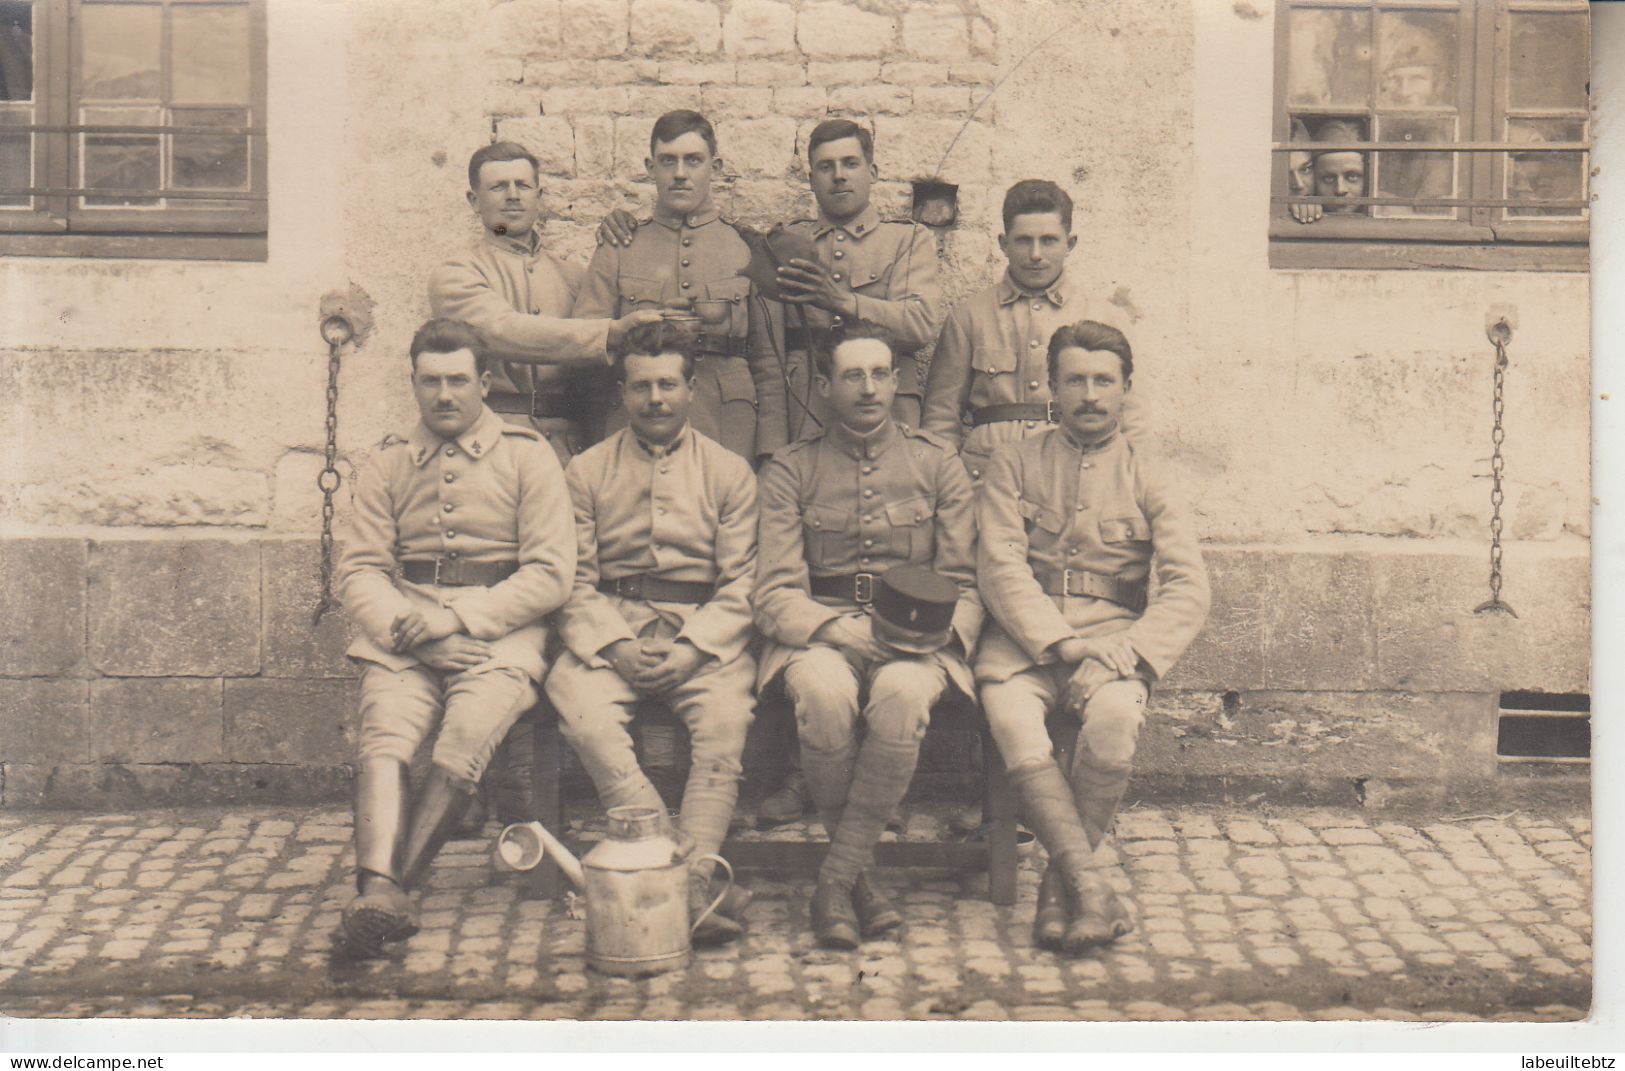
(161, 423)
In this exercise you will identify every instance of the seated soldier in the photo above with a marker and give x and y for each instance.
(838, 512)
(1069, 522)
(666, 529)
(460, 543)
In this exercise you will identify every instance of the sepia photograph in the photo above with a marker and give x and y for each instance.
(881, 511)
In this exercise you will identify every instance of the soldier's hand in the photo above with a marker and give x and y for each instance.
(852, 637)
(1089, 675)
(805, 282)
(1306, 213)
(619, 329)
(618, 228)
(453, 653)
(418, 625)
(679, 664)
(628, 659)
(1114, 651)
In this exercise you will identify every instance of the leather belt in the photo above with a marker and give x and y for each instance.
(722, 346)
(1083, 582)
(654, 589)
(995, 414)
(534, 405)
(854, 587)
(457, 573)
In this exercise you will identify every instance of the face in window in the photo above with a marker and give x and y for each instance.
(862, 385)
(682, 170)
(1089, 391)
(841, 178)
(507, 198)
(450, 391)
(1037, 247)
(1413, 86)
(1302, 172)
(656, 396)
(1340, 174)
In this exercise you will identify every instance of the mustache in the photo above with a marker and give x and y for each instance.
(1087, 408)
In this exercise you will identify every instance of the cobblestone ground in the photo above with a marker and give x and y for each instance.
(1304, 914)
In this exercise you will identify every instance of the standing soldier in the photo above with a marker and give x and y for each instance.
(686, 258)
(988, 382)
(1069, 522)
(460, 543)
(666, 531)
(839, 512)
(518, 296)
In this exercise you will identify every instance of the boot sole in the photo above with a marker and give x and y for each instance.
(373, 927)
(839, 940)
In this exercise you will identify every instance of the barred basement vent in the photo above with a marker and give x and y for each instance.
(1544, 727)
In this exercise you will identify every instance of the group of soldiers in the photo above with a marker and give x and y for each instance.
(761, 495)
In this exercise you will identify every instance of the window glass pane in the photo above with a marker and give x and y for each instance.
(1545, 176)
(16, 159)
(16, 51)
(1551, 61)
(1415, 174)
(208, 162)
(120, 161)
(208, 58)
(1330, 60)
(1416, 59)
(120, 52)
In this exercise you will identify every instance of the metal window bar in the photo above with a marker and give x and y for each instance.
(179, 195)
(1429, 146)
(117, 128)
(1427, 202)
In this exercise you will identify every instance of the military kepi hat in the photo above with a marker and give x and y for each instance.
(913, 609)
(773, 250)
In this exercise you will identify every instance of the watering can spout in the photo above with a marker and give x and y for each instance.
(523, 846)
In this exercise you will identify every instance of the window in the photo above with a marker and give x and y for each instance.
(1431, 134)
(133, 128)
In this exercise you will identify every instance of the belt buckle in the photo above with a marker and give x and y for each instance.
(1049, 412)
(863, 587)
(1066, 584)
(438, 582)
(533, 414)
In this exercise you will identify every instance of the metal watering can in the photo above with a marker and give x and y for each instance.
(636, 885)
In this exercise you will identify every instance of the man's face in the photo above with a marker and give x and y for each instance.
(841, 178)
(1411, 87)
(656, 396)
(1089, 390)
(1340, 174)
(863, 385)
(1036, 247)
(1302, 172)
(450, 391)
(507, 197)
(682, 170)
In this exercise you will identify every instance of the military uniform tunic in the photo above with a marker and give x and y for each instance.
(693, 257)
(994, 350)
(891, 268)
(495, 494)
(840, 504)
(519, 297)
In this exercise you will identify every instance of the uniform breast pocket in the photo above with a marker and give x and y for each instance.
(868, 275)
(1126, 529)
(911, 529)
(734, 290)
(823, 528)
(1039, 518)
(640, 292)
(733, 379)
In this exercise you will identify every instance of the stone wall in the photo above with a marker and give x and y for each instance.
(161, 422)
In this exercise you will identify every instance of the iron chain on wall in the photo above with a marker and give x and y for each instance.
(1500, 334)
(336, 332)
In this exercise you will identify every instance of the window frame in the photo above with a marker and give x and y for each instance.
(56, 229)
(1477, 242)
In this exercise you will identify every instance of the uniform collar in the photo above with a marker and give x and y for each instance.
(708, 213)
(528, 246)
(1101, 446)
(477, 441)
(1010, 292)
(861, 225)
(862, 447)
(656, 453)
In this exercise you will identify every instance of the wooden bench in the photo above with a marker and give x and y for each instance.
(996, 853)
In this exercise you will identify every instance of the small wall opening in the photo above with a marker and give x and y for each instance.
(935, 204)
(1543, 727)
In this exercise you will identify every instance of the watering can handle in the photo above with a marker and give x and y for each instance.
(721, 896)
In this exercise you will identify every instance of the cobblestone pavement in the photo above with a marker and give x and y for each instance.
(1301, 914)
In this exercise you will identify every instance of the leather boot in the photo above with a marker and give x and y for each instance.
(717, 928)
(1047, 801)
(877, 912)
(440, 806)
(786, 804)
(1049, 923)
(1097, 790)
(381, 911)
(834, 921)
